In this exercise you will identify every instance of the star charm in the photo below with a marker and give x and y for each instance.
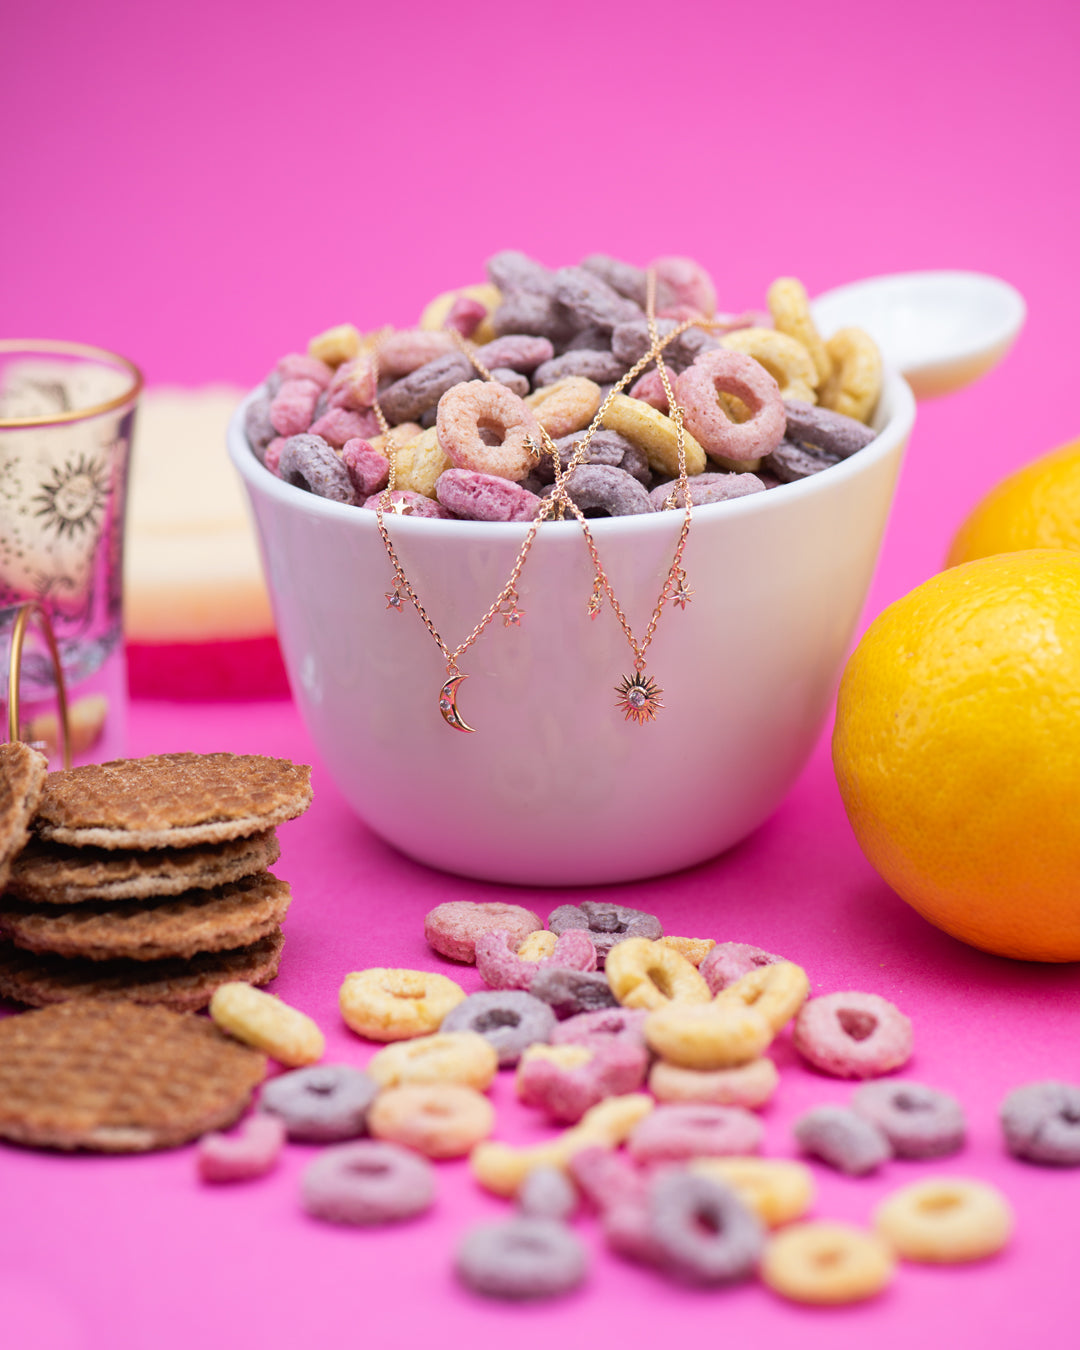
(682, 595)
(594, 605)
(394, 599)
(401, 507)
(513, 615)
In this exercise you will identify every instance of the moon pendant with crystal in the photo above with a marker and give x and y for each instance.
(448, 704)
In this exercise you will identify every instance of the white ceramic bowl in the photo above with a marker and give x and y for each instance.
(556, 788)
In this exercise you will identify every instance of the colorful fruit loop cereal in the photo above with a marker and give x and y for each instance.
(918, 1121)
(251, 1152)
(324, 1103)
(547, 1193)
(586, 1027)
(673, 1133)
(643, 974)
(730, 961)
(263, 1021)
(440, 1120)
(853, 1035)
(605, 923)
(452, 928)
(571, 992)
(945, 1219)
(778, 1190)
(1041, 1122)
(708, 1035)
(501, 967)
(750, 1085)
(700, 1230)
(694, 949)
(529, 1256)
(736, 444)
(827, 1262)
(509, 1018)
(566, 1080)
(394, 1005)
(445, 1057)
(776, 991)
(843, 1140)
(368, 1182)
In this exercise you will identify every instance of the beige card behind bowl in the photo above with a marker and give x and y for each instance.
(192, 570)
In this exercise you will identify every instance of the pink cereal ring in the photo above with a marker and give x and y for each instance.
(690, 283)
(415, 505)
(566, 1081)
(730, 961)
(486, 427)
(251, 1152)
(339, 425)
(368, 469)
(453, 927)
(650, 389)
(483, 496)
(293, 406)
(500, 967)
(736, 443)
(679, 1130)
(301, 366)
(272, 455)
(853, 1035)
(404, 352)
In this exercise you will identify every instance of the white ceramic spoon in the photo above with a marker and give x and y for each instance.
(942, 330)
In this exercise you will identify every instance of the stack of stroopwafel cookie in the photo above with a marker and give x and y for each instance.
(145, 880)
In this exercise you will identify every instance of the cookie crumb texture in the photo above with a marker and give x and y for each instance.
(119, 1078)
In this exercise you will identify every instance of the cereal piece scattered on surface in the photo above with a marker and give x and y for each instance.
(584, 1028)
(606, 923)
(566, 1080)
(676, 1132)
(439, 1120)
(395, 1005)
(521, 1258)
(261, 1020)
(251, 1152)
(827, 1262)
(645, 975)
(778, 1190)
(547, 1193)
(509, 1018)
(843, 1139)
(570, 992)
(730, 961)
(708, 1035)
(367, 1182)
(750, 1085)
(501, 967)
(1041, 1122)
(853, 1035)
(452, 928)
(918, 1121)
(701, 1229)
(323, 1103)
(945, 1219)
(776, 991)
(445, 1057)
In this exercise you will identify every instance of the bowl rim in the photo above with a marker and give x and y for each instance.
(896, 395)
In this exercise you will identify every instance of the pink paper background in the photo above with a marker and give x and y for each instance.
(203, 186)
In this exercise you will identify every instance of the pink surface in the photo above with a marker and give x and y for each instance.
(203, 187)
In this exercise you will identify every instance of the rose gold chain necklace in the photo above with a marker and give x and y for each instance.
(639, 695)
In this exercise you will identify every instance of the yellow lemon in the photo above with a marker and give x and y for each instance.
(1036, 507)
(957, 751)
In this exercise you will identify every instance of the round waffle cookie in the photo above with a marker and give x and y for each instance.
(171, 801)
(38, 979)
(119, 1077)
(22, 778)
(57, 874)
(233, 915)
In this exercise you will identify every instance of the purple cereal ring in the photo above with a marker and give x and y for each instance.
(512, 380)
(603, 490)
(516, 351)
(301, 366)
(569, 992)
(701, 1230)
(687, 282)
(322, 1103)
(706, 488)
(852, 1035)
(511, 270)
(565, 1091)
(790, 462)
(842, 1139)
(730, 961)
(530, 314)
(521, 1258)
(606, 923)
(452, 928)
(339, 425)
(483, 496)
(485, 427)
(308, 462)
(368, 468)
(676, 1131)
(368, 1182)
(1041, 1122)
(293, 406)
(586, 1027)
(409, 398)
(257, 425)
(509, 1019)
(547, 1193)
(410, 348)
(251, 1152)
(628, 280)
(918, 1121)
(416, 505)
(500, 967)
(603, 367)
(731, 372)
(630, 342)
(829, 432)
(591, 302)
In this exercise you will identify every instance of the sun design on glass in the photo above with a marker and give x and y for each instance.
(73, 502)
(639, 697)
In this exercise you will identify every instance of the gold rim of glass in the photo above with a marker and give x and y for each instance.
(101, 355)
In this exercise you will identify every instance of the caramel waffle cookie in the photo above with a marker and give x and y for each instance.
(38, 979)
(171, 801)
(58, 874)
(22, 778)
(119, 1077)
(234, 915)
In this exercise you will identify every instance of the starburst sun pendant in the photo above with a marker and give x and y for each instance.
(639, 697)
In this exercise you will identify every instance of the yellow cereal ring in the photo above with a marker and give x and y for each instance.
(463, 1057)
(790, 309)
(945, 1219)
(827, 1262)
(419, 462)
(750, 1085)
(538, 946)
(777, 991)
(565, 406)
(439, 1120)
(643, 974)
(694, 949)
(778, 1190)
(855, 384)
(654, 433)
(402, 433)
(501, 1168)
(395, 1005)
(436, 311)
(786, 359)
(336, 345)
(259, 1019)
(708, 1035)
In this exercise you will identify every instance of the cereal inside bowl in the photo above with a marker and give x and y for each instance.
(644, 528)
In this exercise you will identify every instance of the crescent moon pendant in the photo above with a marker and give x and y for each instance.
(448, 704)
